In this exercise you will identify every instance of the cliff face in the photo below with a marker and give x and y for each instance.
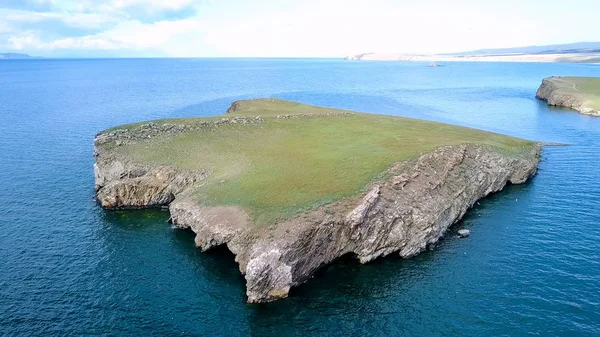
(552, 90)
(123, 184)
(403, 213)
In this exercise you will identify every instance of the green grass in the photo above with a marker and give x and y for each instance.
(586, 87)
(282, 166)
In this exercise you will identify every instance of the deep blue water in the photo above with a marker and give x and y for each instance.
(67, 267)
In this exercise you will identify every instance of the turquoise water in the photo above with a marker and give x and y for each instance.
(67, 267)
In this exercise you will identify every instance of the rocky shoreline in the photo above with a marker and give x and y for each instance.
(405, 212)
(558, 92)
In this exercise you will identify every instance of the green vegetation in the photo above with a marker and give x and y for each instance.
(586, 87)
(279, 167)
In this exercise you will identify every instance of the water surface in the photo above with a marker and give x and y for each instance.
(531, 265)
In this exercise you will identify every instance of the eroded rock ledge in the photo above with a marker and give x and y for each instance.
(403, 213)
(552, 90)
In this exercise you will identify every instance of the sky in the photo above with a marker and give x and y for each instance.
(280, 28)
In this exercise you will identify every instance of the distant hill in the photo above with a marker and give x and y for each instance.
(15, 56)
(580, 52)
(569, 48)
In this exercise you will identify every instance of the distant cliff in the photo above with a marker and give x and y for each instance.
(578, 93)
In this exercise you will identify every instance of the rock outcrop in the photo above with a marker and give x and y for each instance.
(463, 233)
(151, 130)
(120, 183)
(557, 92)
(403, 213)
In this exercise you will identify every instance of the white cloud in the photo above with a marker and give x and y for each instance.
(151, 4)
(75, 20)
(298, 28)
(131, 35)
(5, 27)
(30, 41)
(131, 9)
(23, 41)
(136, 35)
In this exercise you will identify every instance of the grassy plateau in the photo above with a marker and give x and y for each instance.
(586, 87)
(282, 166)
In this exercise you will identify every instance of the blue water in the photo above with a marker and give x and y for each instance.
(67, 267)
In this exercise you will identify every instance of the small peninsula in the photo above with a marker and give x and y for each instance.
(578, 93)
(290, 188)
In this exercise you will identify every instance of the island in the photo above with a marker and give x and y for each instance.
(16, 56)
(578, 93)
(289, 188)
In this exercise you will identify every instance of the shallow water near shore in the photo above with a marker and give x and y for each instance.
(530, 266)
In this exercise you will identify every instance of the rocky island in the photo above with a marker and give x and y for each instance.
(289, 188)
(578, 93)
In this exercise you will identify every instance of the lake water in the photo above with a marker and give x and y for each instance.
(67, 267)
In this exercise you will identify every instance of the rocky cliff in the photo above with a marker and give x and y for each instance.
(558, 92)
(403, 213)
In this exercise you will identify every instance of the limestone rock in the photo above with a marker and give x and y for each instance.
(404, 213)
(463, 233)
(553, 95)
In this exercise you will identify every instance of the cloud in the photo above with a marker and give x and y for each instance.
(30, 41)
(147, 11)
(94, 14)
(336, 29)
(285, 28)
(23, 18)
(29, 5)
(137, 35)
(5, 27)
(147, 15)
(129, 24)
(129, 35)
(154, 5)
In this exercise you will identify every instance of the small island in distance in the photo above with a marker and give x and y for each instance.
(16, 56)
(581, 52)
(578, 93)
(290, 188)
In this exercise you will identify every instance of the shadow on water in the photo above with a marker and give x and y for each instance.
(134, 218)
(355, 293)
(150, 231)
(347, 270)
(219, 260)
(339, 283)
(352, 295)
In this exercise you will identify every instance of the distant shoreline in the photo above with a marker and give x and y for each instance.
(17, 56)
(593, 58)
